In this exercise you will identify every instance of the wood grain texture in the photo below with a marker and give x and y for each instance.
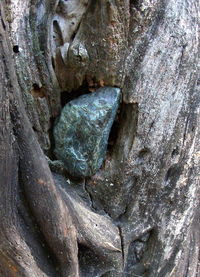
(138, 215)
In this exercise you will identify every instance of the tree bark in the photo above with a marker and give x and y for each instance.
(139, 214)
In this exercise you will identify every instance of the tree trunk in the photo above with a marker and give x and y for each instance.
(138, 215)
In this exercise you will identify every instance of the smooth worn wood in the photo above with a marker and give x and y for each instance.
(139, 214)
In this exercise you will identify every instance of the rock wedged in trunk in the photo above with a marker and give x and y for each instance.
(82, 131)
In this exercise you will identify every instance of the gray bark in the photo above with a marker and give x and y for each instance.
(139, 214)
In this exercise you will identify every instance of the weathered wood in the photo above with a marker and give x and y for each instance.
(141, 216)
(16, 254)
(38, 185)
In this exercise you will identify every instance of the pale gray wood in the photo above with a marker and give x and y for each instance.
(147, 192)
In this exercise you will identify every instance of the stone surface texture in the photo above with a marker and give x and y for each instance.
(82, 131)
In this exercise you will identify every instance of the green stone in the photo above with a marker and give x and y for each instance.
(82, 131)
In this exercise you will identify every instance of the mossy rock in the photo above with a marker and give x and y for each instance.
(82, 131)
